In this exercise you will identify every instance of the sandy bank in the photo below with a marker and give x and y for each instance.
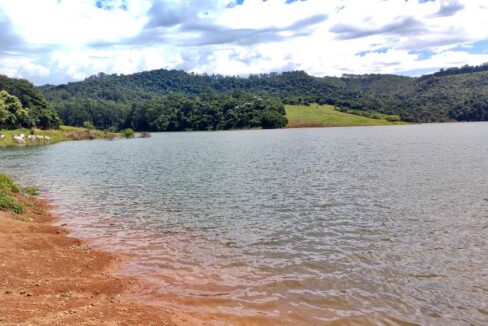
(47, 277)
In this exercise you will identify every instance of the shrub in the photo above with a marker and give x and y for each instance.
(393, 118)
(272, 120)
(9, 204)
(7, 187)
(88, 125)
(128, 133)
(33, 191)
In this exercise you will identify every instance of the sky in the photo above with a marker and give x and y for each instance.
(58, 41)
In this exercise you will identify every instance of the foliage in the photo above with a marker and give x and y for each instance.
(88, 125)
(33, 191)
(463, 70)
(176, 100)
(33, 109)
(176, 112)
(129, 133)
(393, 118)
(7, 202)
(7, 185)
(272, 120)
(12, 114)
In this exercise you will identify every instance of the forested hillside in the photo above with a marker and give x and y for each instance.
(23, 105)
(186, 101)
(459, 94)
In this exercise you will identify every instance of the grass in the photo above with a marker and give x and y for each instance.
(62, 134)
(327, 116)
(32, 191)
(7, 201)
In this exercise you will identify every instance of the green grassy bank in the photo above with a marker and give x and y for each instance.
(7, 190)
(327, 116)
(64, 133)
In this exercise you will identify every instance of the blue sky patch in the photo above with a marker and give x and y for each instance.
(480, 47)
(380, 50)
(423, 54)
(418, 72)
(111, 4)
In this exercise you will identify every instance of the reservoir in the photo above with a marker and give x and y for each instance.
(359, 225)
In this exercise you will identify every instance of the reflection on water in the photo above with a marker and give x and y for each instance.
(378, 225)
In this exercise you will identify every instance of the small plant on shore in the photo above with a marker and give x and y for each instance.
(33, 191)
(7, 185)
(7, 202)
(65, 294)
(10, 204)
(128, 133)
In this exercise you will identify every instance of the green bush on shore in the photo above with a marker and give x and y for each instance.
(33, 191)
(7, 202)
(7, 185)
(10, 204)
(129, 133)
(88, 125)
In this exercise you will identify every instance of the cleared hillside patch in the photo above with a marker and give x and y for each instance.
(316, 115)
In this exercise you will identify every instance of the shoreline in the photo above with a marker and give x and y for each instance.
(48, 277)
(64, 133)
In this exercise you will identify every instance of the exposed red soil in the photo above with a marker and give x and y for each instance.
(49, 278)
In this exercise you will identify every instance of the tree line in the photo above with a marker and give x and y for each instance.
(177, 112)
(110, 100)
(174, 100)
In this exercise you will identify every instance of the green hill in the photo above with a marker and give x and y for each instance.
(327, 116)
(456, 94)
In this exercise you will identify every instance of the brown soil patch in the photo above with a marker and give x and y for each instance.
(49, 278)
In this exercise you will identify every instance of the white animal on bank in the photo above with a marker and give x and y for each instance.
(2, 137)
(19, 139)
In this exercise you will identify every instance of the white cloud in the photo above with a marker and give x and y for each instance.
(57, 41)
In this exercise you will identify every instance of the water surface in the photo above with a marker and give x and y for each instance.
(368, 225)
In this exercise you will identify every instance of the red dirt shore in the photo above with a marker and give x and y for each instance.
(49, 278)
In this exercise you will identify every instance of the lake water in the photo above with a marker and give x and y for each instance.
(367, 225)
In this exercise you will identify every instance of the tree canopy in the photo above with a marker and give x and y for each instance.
(23, 105)
(176, 100)
(12, 114)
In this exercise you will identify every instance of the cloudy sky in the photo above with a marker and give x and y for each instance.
(56, 41)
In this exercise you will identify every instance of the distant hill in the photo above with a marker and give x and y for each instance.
(23, 105)
(459, 94)
(453, 94)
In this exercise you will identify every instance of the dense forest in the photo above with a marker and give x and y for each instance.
(24, 106)
(176, 100)
(177, 112)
